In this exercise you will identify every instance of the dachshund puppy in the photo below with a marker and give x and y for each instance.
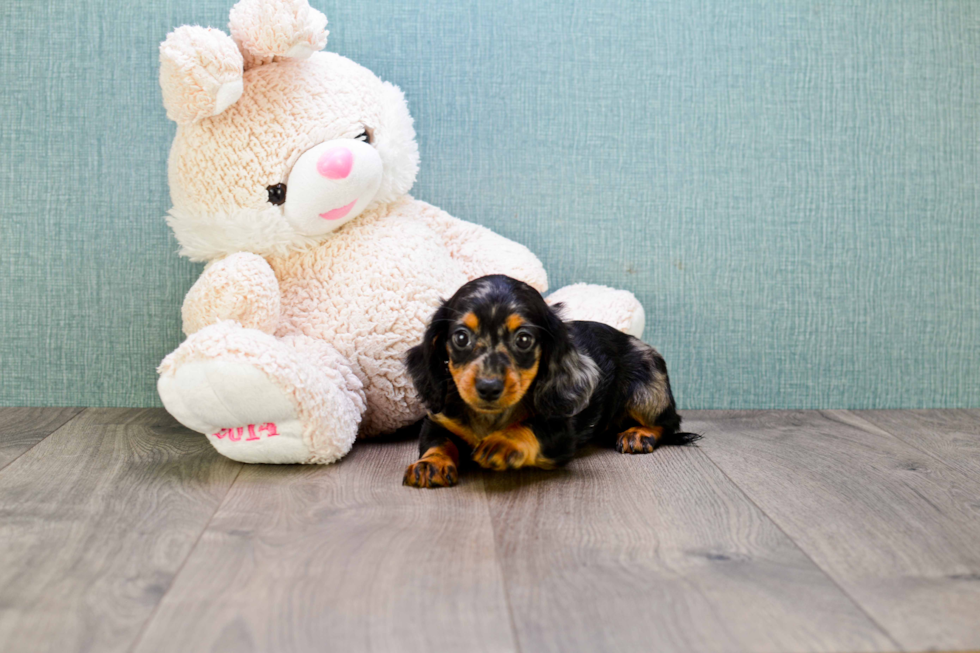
(509, 384)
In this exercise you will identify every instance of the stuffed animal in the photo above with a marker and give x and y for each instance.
(289, 175)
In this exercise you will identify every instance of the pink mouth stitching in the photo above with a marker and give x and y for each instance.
(337, 214)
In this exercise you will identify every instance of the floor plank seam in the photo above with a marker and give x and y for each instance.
(500, 566)
(826, 573)
(60, 426)
(142, 632)
(902, 440)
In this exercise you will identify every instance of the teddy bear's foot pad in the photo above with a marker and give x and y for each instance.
(245, 416)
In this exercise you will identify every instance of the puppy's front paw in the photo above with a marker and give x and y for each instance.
(433, 471)
(638, 440)
(499, 453)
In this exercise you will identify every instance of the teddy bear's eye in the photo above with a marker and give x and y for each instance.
(366, 135)
(277, 194)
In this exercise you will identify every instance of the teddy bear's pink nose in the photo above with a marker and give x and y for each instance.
(335, 163)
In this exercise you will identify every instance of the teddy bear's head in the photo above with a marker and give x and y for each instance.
(277, 144)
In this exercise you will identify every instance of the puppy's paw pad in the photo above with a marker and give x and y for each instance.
(431, 472)
(637, 440)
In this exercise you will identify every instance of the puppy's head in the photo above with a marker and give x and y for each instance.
(495, 339)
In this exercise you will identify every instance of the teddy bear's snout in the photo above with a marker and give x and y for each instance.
(331, 184)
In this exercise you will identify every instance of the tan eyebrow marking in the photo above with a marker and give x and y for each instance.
(514, 322)
(471, 321)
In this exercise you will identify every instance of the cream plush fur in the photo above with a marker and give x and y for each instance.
(297, 328)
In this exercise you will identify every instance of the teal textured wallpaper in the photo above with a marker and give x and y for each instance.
(791, 188)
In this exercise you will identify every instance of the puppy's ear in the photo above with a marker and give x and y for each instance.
(568, 377)
(427, 363)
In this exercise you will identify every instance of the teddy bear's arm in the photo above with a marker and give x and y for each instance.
(240, 287)
(481, 252)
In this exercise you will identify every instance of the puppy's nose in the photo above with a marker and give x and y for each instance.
(489, 389)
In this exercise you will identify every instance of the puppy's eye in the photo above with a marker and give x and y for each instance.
(277, 194)
(524, 340)
(367, 135)
(461, 339)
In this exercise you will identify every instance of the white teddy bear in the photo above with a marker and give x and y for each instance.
(289, 175)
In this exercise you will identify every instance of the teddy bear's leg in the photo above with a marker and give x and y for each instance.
(617, 308)
(262, 399)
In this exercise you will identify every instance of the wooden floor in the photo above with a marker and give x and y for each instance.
(781, 531)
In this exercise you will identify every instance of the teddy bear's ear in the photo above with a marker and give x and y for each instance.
(266, 29)
(200, 73)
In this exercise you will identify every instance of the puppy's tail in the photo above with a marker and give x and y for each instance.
(672, 435)
(677, 438)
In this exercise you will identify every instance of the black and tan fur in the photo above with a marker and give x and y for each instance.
(508, 384)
